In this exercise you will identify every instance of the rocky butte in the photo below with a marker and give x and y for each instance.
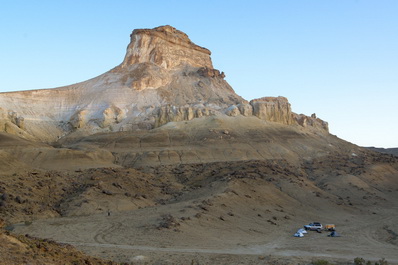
(164, 77)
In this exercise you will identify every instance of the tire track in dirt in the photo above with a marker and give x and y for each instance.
(235, 251)
(372, 231)
(100, 236)
(368, 236)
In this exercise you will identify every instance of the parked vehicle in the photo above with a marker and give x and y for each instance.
(314, 226)
(330, 227)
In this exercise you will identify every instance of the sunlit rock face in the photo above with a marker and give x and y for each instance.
(166, 47)
(163, 78)
(311, 121)
(275, 109)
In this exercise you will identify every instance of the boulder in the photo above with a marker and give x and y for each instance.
(232, 111)
(79, 119)
(111, 115)
(245, 109)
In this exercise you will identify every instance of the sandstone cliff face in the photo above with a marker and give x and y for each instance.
(167, 47)
(163, 78)
(245, 109)
(183, 113)
(272, 109)
(276, 109)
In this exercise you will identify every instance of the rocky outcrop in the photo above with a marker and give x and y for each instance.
(168, 113)
(108, 117)
(79, 119)
(275, 109)
(167, 47)
(232, 111)
(245, 109)
(111, 115)
(146, 76)
(17, 120)
(312, 121)
(209, 72)
(11, 122)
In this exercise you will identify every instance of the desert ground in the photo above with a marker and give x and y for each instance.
(180, 233)
(146, 208)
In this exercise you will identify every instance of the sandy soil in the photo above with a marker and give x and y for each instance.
(208, 191)
(242, 221)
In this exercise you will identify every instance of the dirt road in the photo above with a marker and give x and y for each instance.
(126, 236)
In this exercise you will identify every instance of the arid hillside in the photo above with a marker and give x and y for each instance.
(174, 198)
(29, 250)
(158, 161)
(393, 151)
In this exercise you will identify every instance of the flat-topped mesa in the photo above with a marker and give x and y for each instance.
(167, 47)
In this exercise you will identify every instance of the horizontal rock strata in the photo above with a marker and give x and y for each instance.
(163, 78)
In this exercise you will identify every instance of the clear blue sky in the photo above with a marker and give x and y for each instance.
(336, 58)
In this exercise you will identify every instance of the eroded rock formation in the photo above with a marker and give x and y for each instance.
(163, 78)
(167, 47)
(273, 109)
(276, 109)
(11, 122)
(169, 113)
(312, 121)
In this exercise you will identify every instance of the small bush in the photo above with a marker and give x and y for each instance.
(4, 196)
(359, 261)
(382, 262)
(168, 221)
(320, 262)
(18, 200)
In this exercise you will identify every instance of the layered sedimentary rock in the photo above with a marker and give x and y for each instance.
(163, 78)
(167, 47)
(11, 122)
(183, 113)
(245, 109)
(311, 121)
(273, 109)
(276, 109)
